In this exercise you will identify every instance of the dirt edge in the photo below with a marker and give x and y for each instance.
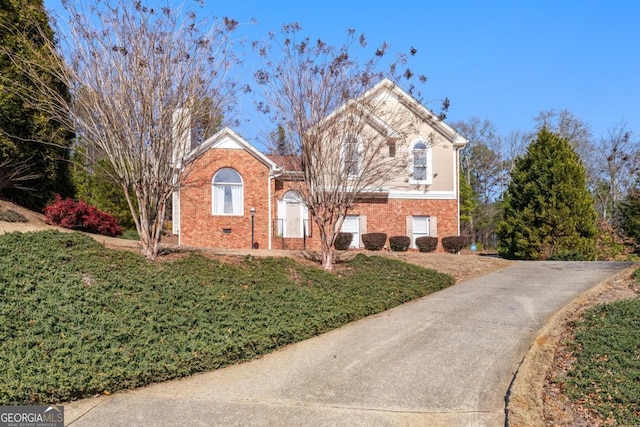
(525, 405)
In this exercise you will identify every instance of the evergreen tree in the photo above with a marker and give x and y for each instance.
(95, 184)
(27, 137)
(279, 144)
(468, 206)
(629, 214)
(548, 211)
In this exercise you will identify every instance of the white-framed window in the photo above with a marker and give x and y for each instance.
(421, 163)
(420, 228)
(351, 224)
(228, 192)
(351, 156)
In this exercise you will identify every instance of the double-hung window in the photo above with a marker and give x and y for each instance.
(420, 228)
(351, 153)
(228, 192)
(421, 163)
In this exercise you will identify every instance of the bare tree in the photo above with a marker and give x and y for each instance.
(481, 166)
(512, 146)
(569, 126)
(339, 130)
(478, 132)
(16, 174)
(140, 77)
(617, 157)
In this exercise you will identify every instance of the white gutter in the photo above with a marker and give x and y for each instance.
(271, 176)
(274, 173)
(456, 185)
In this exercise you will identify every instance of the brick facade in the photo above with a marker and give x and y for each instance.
(265, 189)
(200, 228)
(389, 216)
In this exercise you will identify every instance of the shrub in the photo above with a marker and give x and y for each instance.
(427, 243)
(80, 216)
(612, 244)
(454, 244)
(568, 255)
(399, 243)
(374, 241)
(343, 240)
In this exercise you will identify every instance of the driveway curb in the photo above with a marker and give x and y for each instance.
(524, 405)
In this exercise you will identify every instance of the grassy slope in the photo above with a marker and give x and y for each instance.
(606, 375)
(77, 319)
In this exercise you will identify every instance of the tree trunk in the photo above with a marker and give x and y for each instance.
(326, 241)
(327, 256)
(148, 222)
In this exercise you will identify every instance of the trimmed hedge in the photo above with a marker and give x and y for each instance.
(343, 240)
(454, 244)
(399, 243)
(374, 241)
(427, 243)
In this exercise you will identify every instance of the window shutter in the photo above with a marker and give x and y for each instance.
(306, 221)
(362, 230)
(175, 214)
(433, 226)
(409, 226)
(280, 219)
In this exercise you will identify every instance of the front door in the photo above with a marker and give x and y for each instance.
(293, 223)
(292, 214)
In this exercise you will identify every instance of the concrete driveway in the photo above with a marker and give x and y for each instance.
(444, 360)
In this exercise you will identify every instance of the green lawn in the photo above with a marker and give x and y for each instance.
(606, 376)
(78, 319)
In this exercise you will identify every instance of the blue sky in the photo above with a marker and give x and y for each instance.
(501, 60)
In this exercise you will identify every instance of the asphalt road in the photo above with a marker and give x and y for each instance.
(443, 360)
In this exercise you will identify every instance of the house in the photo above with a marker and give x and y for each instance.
(235, 196)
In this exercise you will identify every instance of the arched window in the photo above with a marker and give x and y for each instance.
(421, 155)
(228, 192)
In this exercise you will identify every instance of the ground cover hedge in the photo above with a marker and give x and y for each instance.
(77, 319)
(606, 374)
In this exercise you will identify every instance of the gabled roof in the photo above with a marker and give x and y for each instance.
(227, 138)
(288, 163)
(417, 108)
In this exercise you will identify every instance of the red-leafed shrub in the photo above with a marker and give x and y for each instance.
(77, 215)
(374, 241)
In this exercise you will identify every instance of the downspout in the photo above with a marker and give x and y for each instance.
(179, 218)
(269, 227)
(456, 181)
